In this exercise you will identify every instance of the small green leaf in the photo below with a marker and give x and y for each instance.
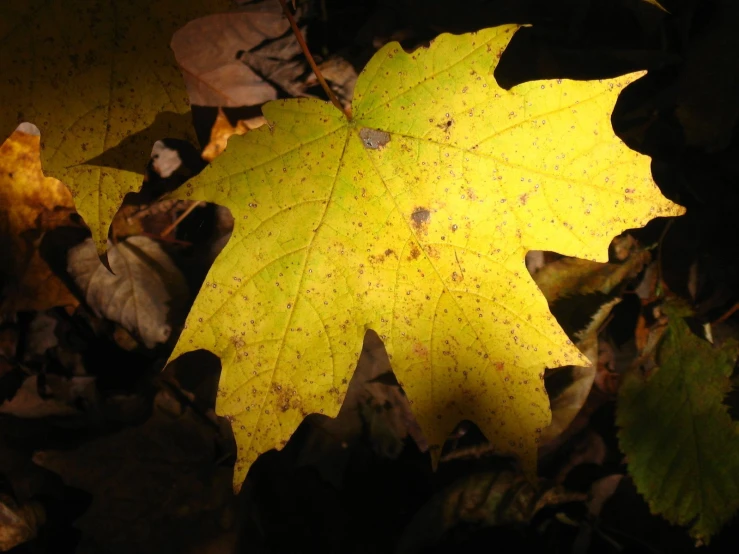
(681, 443)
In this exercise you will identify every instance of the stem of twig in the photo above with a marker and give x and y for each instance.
(662, 236)
(179, 219)
(311, 61)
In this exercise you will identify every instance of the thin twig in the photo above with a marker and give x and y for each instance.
(727, 314)
(660, 242)
(179, 219)
(311, 61)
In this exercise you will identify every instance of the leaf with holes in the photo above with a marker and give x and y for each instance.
(99, 79)
(413, 219)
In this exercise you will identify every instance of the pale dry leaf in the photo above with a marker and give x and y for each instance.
(164, 160)
(139, 294)
(281, 62)
(207, 50)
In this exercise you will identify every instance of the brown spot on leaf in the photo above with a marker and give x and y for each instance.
(420, 350)
(238, 342)
(432, 252)
(420, 217)
(286, 397)
(415, 252)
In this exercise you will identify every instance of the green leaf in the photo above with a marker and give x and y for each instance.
(412, 219)
(681, 444)
(95, 76)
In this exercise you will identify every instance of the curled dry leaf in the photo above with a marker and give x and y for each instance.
(141, 291)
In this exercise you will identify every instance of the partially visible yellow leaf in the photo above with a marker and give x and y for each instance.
(99, 79)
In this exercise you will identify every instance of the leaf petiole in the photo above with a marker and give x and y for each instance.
(311, 61)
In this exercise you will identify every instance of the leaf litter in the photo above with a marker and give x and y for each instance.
(9, 367)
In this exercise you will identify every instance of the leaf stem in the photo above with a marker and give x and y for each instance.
(311, 61)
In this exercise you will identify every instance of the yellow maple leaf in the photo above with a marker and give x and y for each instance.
(412, 219)
(99, 79)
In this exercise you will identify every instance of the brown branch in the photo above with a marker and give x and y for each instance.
(183, 215)
(311, 61)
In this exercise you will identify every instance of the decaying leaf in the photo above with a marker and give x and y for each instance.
(30, 205)
(493, 498)
(99, 79)
(572, 278)
(681, 444)
(577, 381)
(420, 236)
(144, 286)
